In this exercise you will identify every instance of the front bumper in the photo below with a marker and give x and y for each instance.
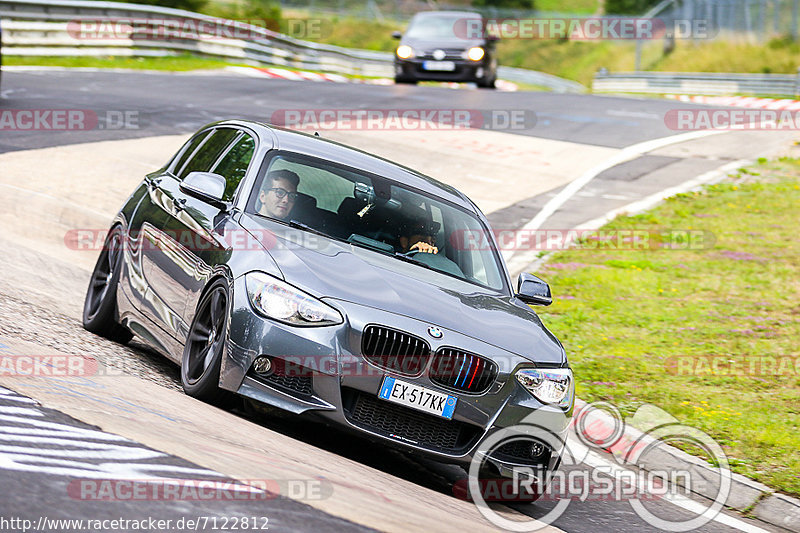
(465, 71)
(325, 373)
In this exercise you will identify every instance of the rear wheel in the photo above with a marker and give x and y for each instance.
(202, 356)
(100, 305)
(408, 81)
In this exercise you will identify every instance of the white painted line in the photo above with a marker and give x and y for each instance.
(60, 201)
(638, 206)
(619, 473)
(647, 202)
(520, 259)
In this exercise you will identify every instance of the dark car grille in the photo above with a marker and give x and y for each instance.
(522, 451)
(407, 425)
(287, 376)
(462, 371)
(300, 384)
(449, 53)
(395, 350)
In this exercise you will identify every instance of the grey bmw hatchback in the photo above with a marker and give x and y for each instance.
(319, 279)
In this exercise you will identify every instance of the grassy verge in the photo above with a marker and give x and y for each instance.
(580, 60)
(627, 317)
(575, 60)
(173, 63)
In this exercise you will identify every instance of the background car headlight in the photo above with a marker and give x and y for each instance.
(548, 385)
(405, 52)
(475, 53)
(278, 300)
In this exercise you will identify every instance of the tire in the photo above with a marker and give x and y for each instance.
(100, 305)
(205, 345)
(409, 81)
(487, 84)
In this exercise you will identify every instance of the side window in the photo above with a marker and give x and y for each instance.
(327, 188)
(208, 154)
(233, 165)
(191, 146)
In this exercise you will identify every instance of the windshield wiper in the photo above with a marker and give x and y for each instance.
(305, 227)
(407, 259)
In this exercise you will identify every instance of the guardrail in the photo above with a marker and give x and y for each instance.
(697, 83)
(38, 27)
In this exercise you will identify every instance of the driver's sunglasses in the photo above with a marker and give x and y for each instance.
(281, 193)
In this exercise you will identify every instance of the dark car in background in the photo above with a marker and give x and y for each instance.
(446, 46)
(278, 266)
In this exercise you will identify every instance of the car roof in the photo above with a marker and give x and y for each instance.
(302, 143)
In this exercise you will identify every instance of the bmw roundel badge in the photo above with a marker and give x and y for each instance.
(435, 332)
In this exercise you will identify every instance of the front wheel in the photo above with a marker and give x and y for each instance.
(202, 356)
(487, 84)
(100, 305)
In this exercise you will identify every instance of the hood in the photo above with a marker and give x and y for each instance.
(339, 270)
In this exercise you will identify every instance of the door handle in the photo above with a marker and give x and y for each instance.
(180, 204)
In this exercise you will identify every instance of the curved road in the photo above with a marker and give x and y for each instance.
(584, 131)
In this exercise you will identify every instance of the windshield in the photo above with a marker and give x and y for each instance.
(378, 214)
(433, 27)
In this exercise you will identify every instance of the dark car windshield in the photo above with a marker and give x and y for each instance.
(381, 215)
(436, 27)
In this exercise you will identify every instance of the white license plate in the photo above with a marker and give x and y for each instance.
(417, 397)
(439, 65)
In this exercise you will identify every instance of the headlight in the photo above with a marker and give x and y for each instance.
(475, 53)
(405, 52)
(548, 385)
(278, 300)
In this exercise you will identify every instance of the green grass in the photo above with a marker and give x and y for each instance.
(587, 7)
(623, 314)
(173, 63)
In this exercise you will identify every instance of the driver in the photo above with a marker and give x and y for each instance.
(418, 235)
(278, 193)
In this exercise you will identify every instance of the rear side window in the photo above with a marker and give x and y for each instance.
(191, 146)
(209, 152)
(233, 166)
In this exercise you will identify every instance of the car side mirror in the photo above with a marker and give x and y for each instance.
(206, 186)
(397, 35)
(533, 290)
